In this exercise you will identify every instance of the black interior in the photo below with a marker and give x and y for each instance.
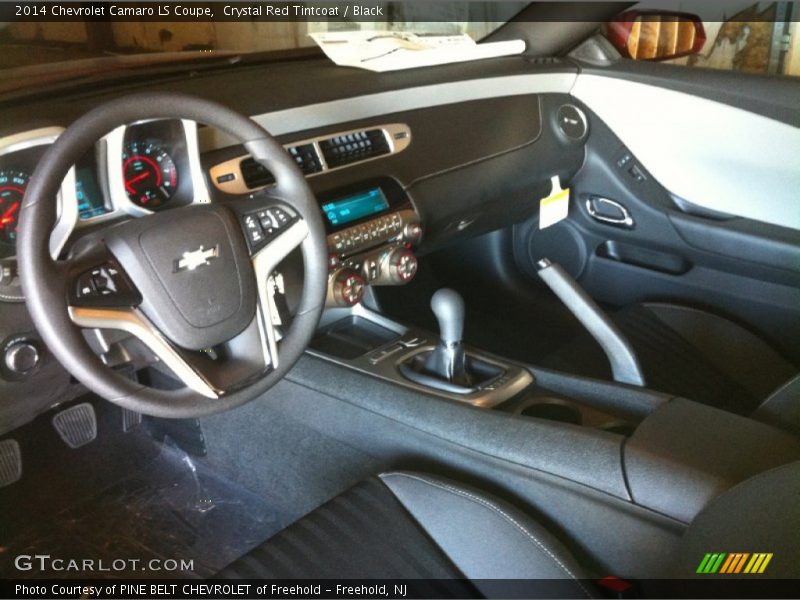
(616, 478)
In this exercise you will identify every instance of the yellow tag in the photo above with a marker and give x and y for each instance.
(555, 207)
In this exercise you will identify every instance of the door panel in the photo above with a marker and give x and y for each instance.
(649, 144)
(709, 153)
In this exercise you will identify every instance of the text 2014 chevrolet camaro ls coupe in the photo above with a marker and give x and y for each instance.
(358, 307)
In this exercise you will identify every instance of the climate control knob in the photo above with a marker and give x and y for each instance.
(401, 265)
(412, 233)
(346, 288)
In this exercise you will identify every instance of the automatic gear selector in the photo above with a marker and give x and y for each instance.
(448, 367)
(448, 360)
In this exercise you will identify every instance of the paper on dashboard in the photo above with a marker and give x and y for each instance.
(394, 50)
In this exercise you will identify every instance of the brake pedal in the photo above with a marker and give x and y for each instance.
(77, 425)
(130, 420)
(10, 462)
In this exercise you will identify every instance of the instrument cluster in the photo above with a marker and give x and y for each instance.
(133, 171)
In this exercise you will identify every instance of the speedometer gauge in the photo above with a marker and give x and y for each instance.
(150, 175)
(12, 190)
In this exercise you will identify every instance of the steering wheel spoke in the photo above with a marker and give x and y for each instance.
(134, 322)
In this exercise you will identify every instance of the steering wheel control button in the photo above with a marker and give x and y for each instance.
(104, 285)
(264, 225)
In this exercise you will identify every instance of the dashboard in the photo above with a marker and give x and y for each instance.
(400, 166)
(154, 165)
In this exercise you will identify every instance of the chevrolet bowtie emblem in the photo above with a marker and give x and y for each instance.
(196, 258)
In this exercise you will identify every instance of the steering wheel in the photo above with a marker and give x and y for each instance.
(190, 283)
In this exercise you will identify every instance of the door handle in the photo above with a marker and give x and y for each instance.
(609, 211)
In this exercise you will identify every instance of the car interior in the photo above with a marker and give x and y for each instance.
(292, 320)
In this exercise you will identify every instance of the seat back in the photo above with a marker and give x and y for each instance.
(782, 408)
(758, 519)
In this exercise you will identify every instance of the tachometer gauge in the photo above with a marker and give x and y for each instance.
(150, 175)
(12, 190)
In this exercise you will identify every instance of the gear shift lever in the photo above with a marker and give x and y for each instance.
(448, 360)
(447, 367)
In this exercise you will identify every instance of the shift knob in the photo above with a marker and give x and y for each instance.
(448, 306)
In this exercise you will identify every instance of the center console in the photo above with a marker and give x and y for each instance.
(372, 230)
(366, 341)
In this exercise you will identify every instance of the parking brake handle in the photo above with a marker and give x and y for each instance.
(624, 364)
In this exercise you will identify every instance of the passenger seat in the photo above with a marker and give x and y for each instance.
(697, 355)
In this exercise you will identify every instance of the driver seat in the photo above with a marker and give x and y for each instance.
(403, 525)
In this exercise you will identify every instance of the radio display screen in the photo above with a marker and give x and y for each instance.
(355, 206)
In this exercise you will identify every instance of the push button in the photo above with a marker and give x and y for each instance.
(263, 224)
(104, 285)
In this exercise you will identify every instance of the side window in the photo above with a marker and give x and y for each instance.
(753, 41)
(760, 38)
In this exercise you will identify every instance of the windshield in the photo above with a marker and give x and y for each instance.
(31, 42)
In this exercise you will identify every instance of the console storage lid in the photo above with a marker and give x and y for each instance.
(685, 454)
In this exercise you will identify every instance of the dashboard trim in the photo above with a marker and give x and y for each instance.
(398, 137)
(325, 114)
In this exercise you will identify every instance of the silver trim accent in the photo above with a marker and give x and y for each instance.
(621, 355)
(134, 322)
(29, 139)
(324, 114)
(199, 188)
(625, 221)
(115, 145)
(238, 186)
(515, 378)
(709, 153)
(264, 262)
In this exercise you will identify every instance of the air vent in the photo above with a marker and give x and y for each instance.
(314, 156)
(306, 158)
(545, 60)
(572, 122)
(353, 147)
(255, 174)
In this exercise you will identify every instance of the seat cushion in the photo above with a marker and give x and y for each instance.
(686, 352)
(416, 526)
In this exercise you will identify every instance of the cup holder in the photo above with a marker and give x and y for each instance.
(553, 411)
(620, 428)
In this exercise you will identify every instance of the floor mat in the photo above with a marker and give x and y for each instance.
(173, 510)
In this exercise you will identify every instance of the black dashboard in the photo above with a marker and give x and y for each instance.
(400, 165)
